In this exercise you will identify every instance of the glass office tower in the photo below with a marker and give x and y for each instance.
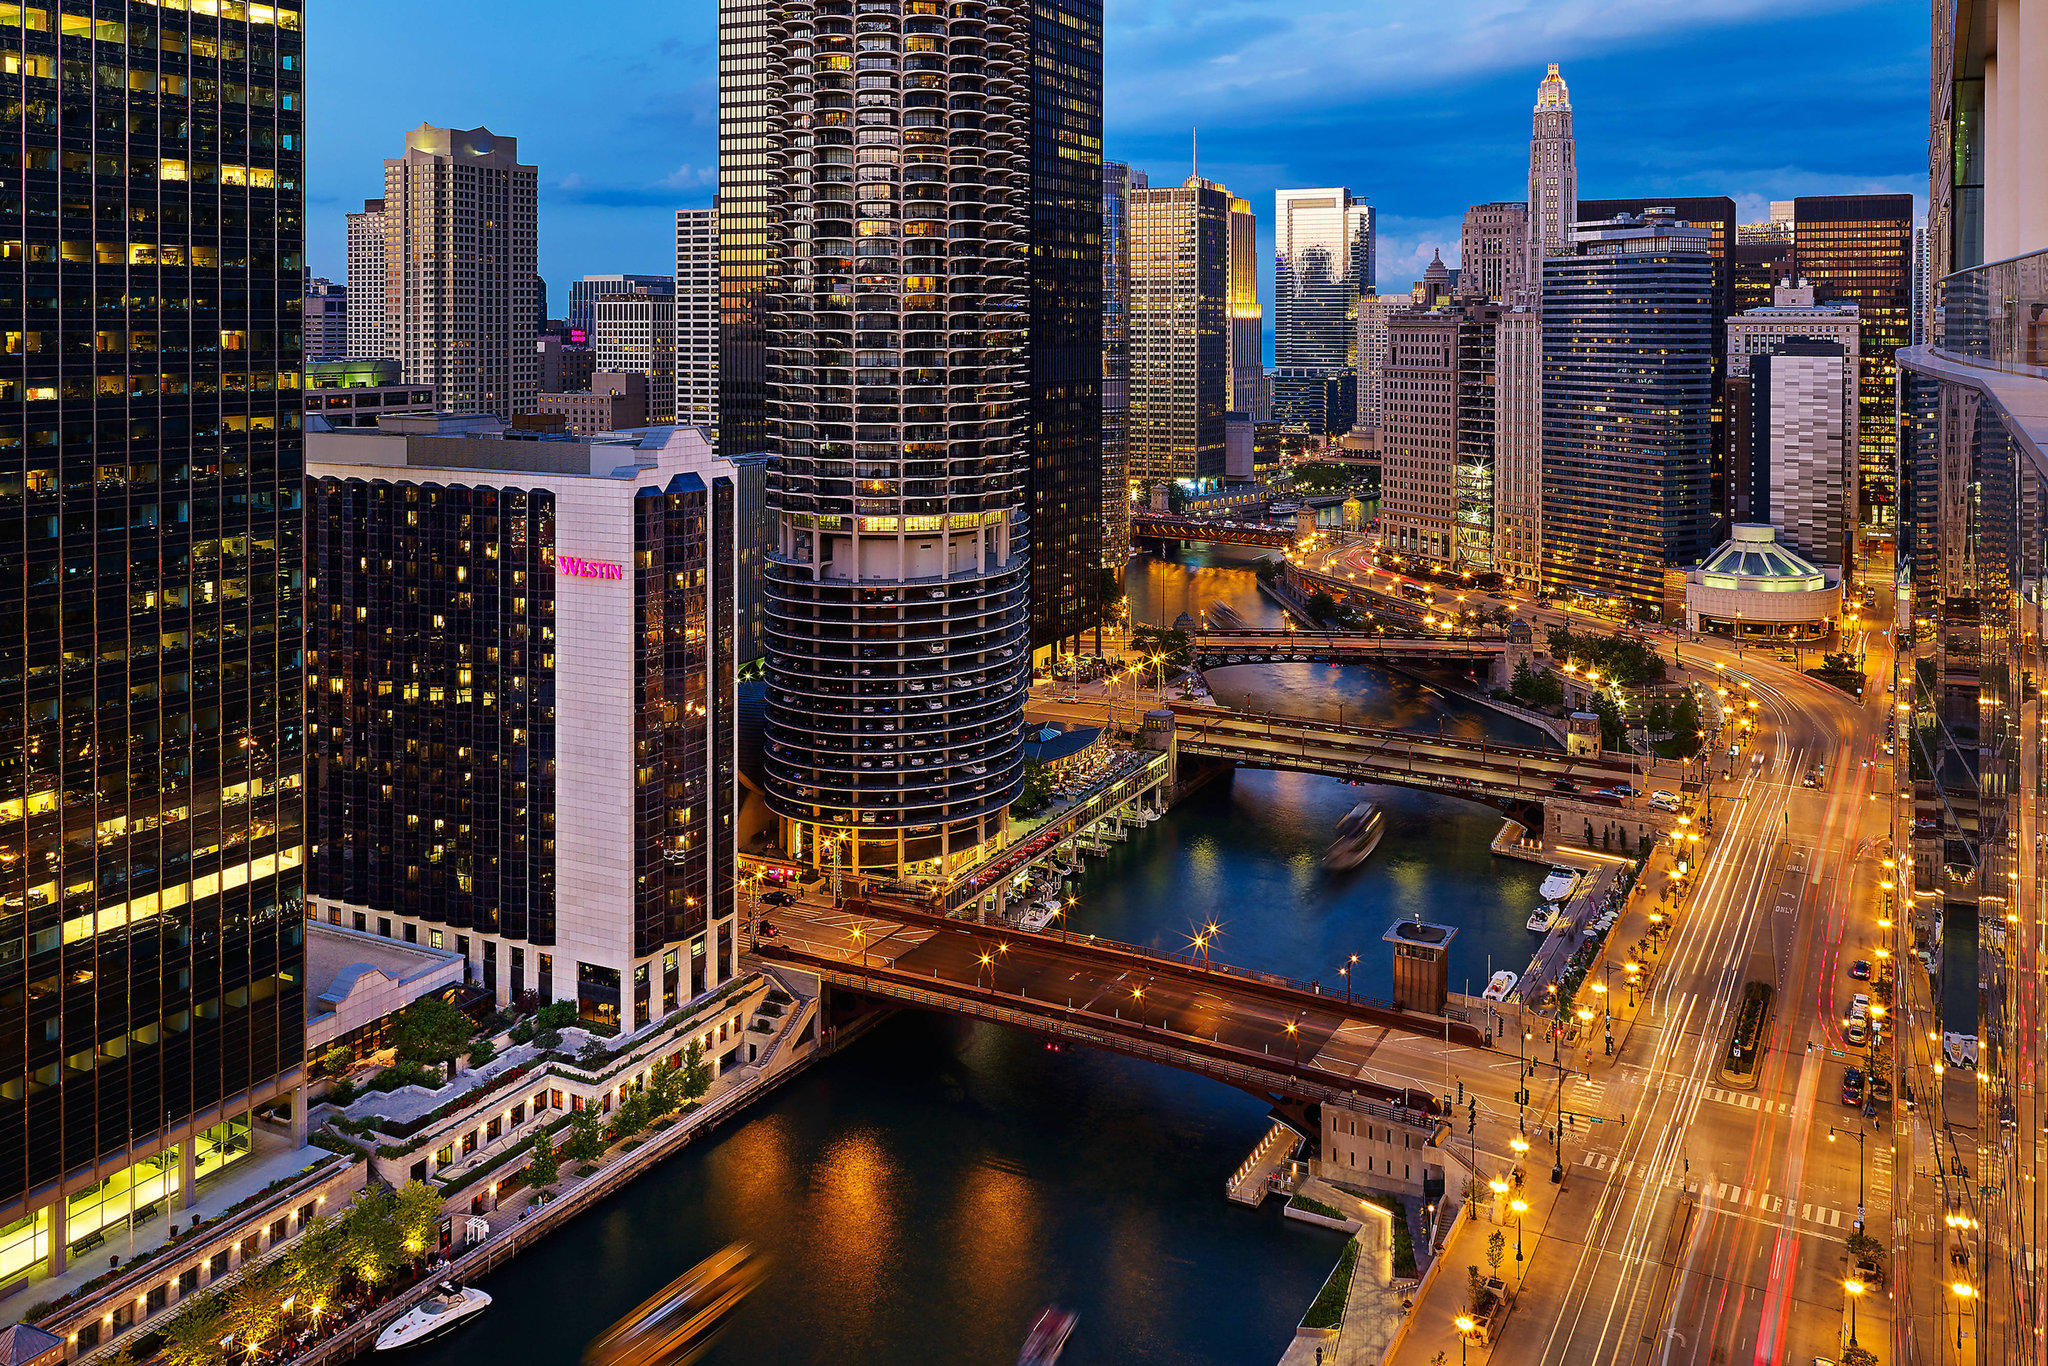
(1859, 248)
(151, 959)
(1627, 409)
(1322, 263)
(1065, 484)
(742, 207)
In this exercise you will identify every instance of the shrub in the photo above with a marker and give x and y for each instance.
(481, 1052)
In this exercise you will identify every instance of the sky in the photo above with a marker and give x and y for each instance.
(1421, 106)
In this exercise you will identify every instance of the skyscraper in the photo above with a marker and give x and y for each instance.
(1518, 446)
(538, 773)
(1249, 391)
(151, 861)
(1974, 435)
(1553, 175)
(1118, 180)
(697, 319)
(368, 279)
(1765, 418)
(585, 292)
(1180, 337)
(1859, 248)
(325, 323)
(1322, 263)
(1437, 435)
(1627, 408)
(1714, 215)
(636, 333)
(461, 195)
(897, 310)
(1374, 313)
(1756, 267)
(1494, 251)
(1063, 487)
(745, 108)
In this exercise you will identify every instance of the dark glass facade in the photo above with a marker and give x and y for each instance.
(743, 197)
(1627, 420)
(1715, 215)
(432, 647)
(151, 240)
(1065, 485)
(686, 767)
(1859, 248)
(1755, 269)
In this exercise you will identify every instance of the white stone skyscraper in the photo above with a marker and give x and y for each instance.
(367, 277)
(1553, 176)
(697, 318)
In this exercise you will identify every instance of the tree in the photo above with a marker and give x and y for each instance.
(431, 1030)
(664, 1091)
(629, 1116)
(544, 1168)
(193, 1337)
(1858, 1355)
(337, 1060)
(1475, 1286)
(416, 1216)
(1037, 789)
(1496, 1249)
(586, 1141)
(317, 1262)
(696, 1072)
(481, 1052)
(370, 1229)
(558, 1015)
(256, 1306)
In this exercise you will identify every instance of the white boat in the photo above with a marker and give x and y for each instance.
(1500, 986)
(448, 1306)
(1558, 884)
(1358, 834)
(1036, 915)
(1543, 917)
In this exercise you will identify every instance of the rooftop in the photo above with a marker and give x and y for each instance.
(1421, 933)
(1753, 561)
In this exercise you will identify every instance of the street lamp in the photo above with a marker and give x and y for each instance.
(860, 937)
(1138, 995)
(1520, 1207)
(1963, 1291)
(1466, 1324)
(1855, 1289)
(986, 960)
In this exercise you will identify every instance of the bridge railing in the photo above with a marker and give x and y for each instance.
(1226, 1062)
(1223, 722)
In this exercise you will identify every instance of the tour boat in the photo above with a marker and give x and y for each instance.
(1047, 1338)
(1036, 915)
(438, 1313)
(1558, 883)
(1542, 918)
(682, 1318)
(1358, 834)
(1501, 985)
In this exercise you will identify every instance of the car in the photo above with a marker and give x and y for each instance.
(1925, 825)
(1564, 785)
(1812, 778)
(1664, 801)
(1623, 790)
(778, 899)
(1787, 657)
(1860, 970)
(1855, 1031)
(1859, 1006)
(768, 931)
(1852, 1087)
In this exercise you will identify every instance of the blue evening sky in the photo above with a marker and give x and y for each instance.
(1422, 105)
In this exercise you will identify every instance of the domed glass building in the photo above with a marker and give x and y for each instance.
(1758, 589)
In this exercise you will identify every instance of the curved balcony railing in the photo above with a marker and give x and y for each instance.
(1996, 315)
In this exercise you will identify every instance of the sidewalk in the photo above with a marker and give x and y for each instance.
(1435, 1315)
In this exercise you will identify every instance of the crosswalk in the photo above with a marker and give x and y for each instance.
(1722, 1196)
(1744, 1100)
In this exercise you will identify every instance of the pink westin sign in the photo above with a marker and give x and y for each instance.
(588, 569)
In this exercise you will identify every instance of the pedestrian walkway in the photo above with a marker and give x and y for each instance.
(1719, 1195)
(1373, 1309)
(1253, 1182)
(1744, 1100)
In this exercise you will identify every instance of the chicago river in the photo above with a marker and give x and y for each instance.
(926, 1192)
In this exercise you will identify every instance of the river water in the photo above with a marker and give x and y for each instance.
(923, 1194)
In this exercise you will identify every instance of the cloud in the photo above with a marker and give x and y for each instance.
(1179, 59)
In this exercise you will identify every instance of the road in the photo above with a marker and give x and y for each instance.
(1712, 1228)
